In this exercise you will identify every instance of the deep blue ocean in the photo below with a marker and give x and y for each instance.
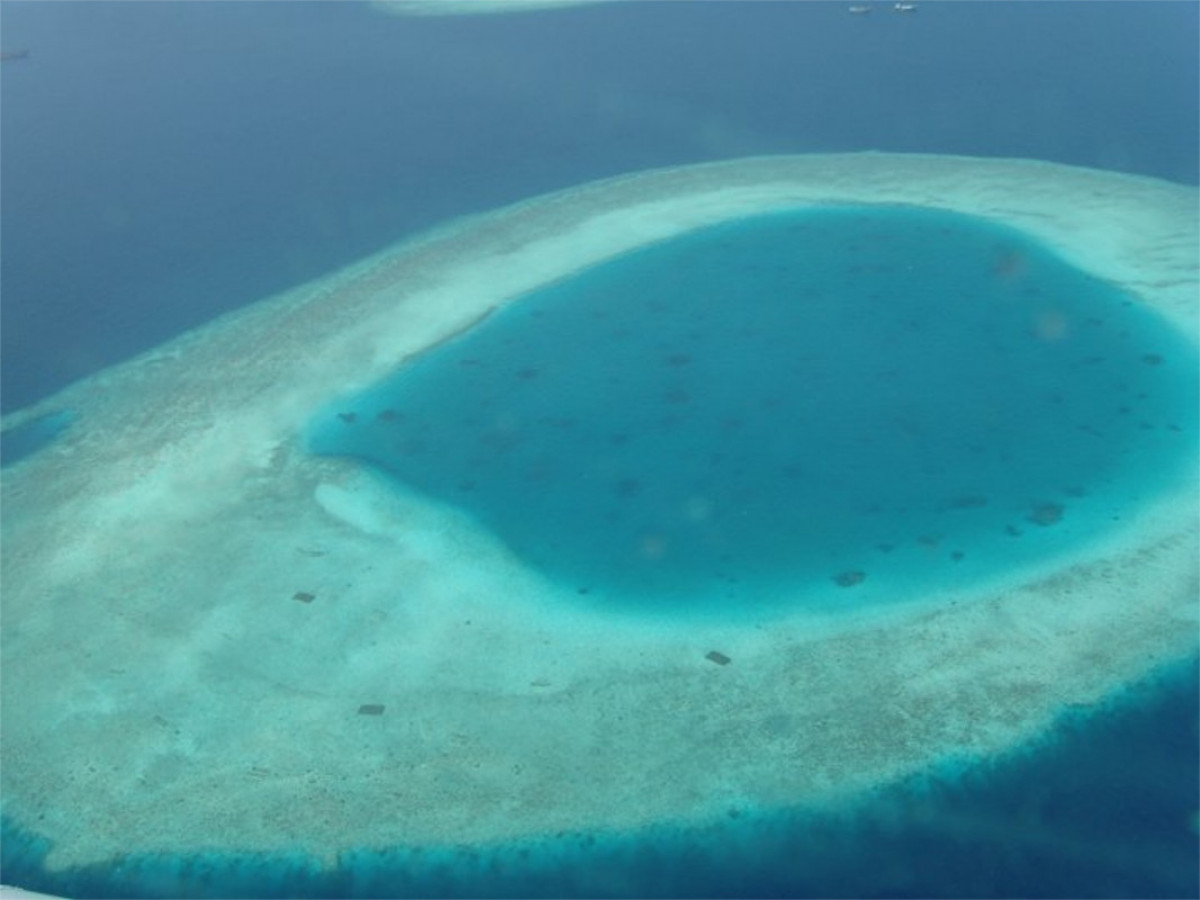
(162, 163)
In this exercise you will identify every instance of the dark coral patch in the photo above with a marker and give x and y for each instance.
(967, 501)
(1045, 514)
(627, 487)
(677, 397)
(849, 579)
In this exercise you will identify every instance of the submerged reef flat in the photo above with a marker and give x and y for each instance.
(214, 640)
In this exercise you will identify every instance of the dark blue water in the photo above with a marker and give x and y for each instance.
(1105, 806)
(163, 163)
(881, 397)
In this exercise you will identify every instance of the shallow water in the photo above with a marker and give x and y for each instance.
(1054, 820)
(26, 439)
(846, 400)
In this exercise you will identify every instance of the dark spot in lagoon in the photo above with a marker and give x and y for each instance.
(349, 418)
(885, 548)
(627, 487)
(1012, 531)
(1152, 359)
(371, 709)
(678, 359)
(304, 596)
(527, 374)
(388, 415)
(539, 473)
(1046, 514)
(967, 501)
(849, 579)
(411, 447)
(677, 397)
(717, 657)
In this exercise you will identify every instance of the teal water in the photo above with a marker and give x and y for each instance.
(848, 400)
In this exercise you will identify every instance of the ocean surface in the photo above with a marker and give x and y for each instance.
(164, 163)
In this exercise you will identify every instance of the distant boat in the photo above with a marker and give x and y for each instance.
(905, 7)
(8, 55)
(859, 10)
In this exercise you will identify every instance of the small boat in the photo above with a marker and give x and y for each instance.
(905, 7)
(8, 55)
(859, 10)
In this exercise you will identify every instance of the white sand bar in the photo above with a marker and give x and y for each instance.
(165, 691)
